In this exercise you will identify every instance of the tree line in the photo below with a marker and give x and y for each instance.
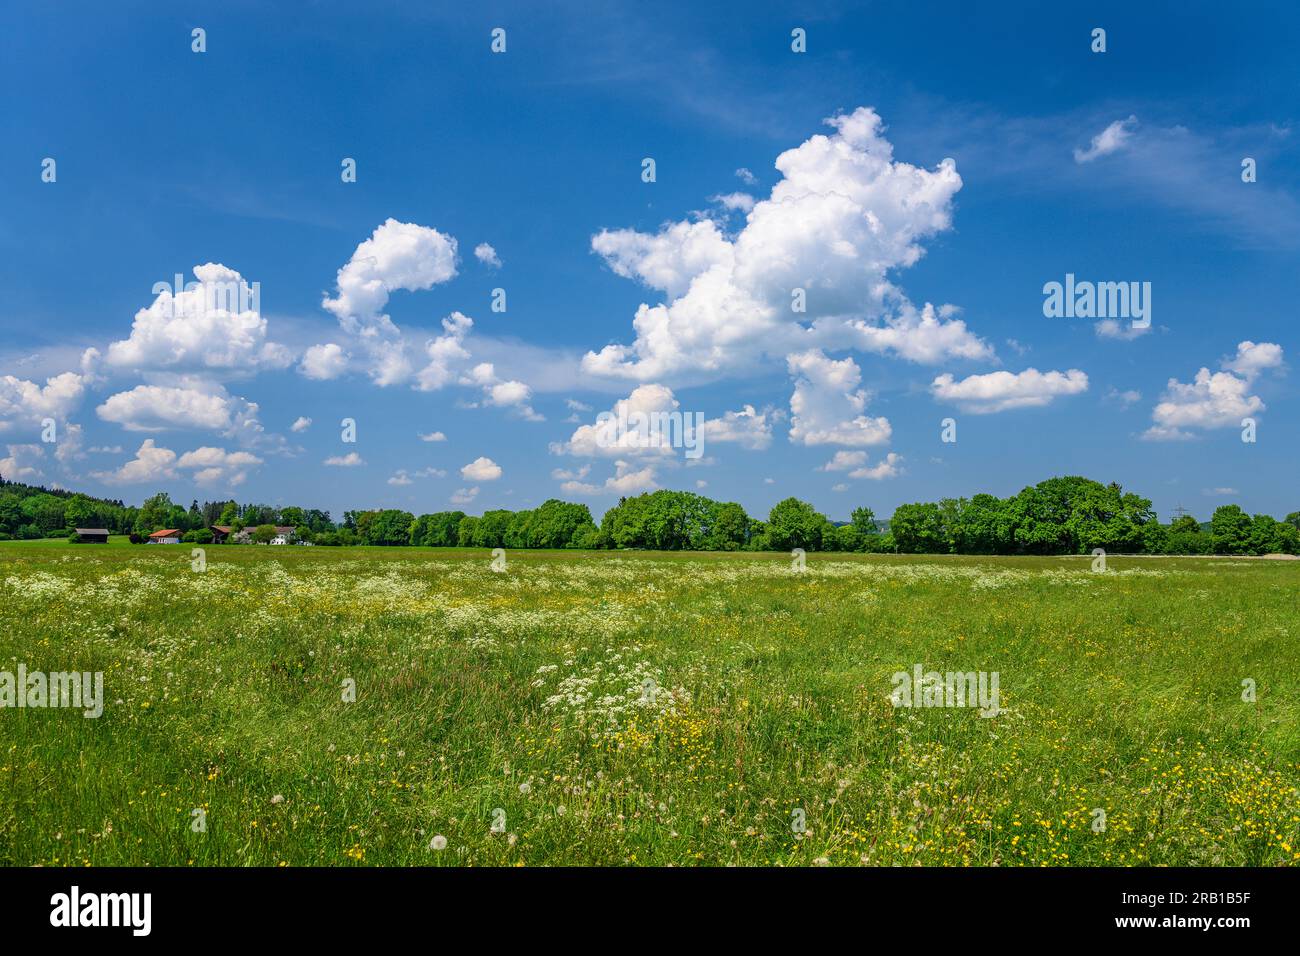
(1074, 515)
(1064, 515)
(34, 511)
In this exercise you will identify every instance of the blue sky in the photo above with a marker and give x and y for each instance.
(1115, 166)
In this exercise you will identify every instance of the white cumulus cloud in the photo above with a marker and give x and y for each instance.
(827, 407)
(205, 327)
(735, 202)
(640, 424)
(844, 216)
(481, 469)
(746, 427)
(1253, 358)
(445, 354)
(151, 463)
(1000, 391)
(189, 404)
(844, 460)
(629, 478)
(397, 256)
(1214, 399)
(888, 467)
(216, 466)
(23, 463)
(25, 403)
(510, 394)
(324, 362)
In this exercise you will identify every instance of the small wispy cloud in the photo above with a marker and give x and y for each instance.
(1110, 140)
(350, 460)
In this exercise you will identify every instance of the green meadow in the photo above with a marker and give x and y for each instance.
(410, 706)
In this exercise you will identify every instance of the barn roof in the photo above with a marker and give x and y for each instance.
(91, 530)
(166, 533)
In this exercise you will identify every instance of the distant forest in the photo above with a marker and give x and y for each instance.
(1068, 515)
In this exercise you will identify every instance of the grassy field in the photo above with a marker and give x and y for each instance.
(114, 541)
(607, 708)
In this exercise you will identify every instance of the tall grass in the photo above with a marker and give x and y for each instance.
(646, 708)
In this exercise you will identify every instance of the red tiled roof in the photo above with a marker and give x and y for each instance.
(166, 533)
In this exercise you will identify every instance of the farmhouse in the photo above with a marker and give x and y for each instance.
(166, 536)
(220, 532)
(284, 534)
(92, 535)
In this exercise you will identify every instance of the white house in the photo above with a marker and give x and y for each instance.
(284, 534)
